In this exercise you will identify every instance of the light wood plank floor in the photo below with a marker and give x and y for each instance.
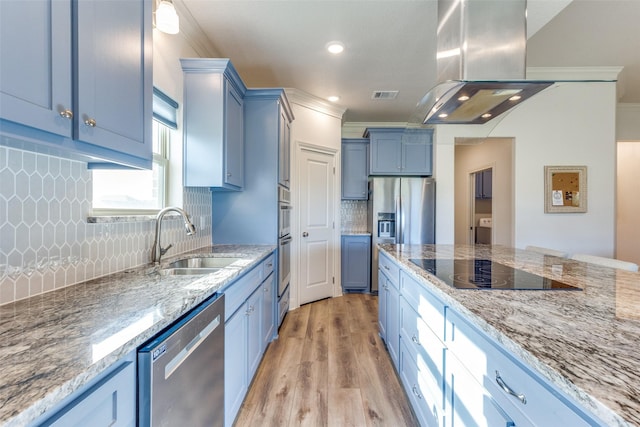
(329, 367)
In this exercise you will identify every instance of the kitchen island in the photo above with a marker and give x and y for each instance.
(583, 342)
(55, 343)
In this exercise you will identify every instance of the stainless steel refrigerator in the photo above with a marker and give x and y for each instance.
(401, 211)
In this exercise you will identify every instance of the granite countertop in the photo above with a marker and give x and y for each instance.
(584, 342)
(54, 343)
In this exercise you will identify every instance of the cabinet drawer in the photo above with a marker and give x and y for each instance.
(468, 403)
(485, 361)
(421, 340)
(390, 268)
(237, 292)
(428, 307)
(424, 391)
(268, 265)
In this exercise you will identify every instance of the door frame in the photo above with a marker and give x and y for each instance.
(299, 146)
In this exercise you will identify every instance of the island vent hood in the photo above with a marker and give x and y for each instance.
(481, 55)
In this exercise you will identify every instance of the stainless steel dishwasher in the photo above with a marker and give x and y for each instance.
(181, 371)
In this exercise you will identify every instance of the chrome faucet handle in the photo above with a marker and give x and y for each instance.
(164, 250)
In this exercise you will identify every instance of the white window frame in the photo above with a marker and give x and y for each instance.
(161, 158)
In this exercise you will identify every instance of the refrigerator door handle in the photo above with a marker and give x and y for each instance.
(399, 221)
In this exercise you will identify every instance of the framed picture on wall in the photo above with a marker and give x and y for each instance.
(565, 189)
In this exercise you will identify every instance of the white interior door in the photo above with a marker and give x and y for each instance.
(317, 222)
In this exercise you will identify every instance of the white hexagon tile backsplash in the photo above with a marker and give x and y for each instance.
(46, 241)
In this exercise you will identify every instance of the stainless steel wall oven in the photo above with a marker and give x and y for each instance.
(284, 250)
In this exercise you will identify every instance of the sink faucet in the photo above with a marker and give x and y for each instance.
(157, 250)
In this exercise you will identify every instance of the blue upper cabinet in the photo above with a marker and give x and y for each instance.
(399, 151)
(67, 85)
(114, 61)
(355, 169)
(213, 124)
(251, 216)
(35, 65)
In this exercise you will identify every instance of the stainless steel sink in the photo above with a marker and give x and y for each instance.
(185, 271)
(202, 263)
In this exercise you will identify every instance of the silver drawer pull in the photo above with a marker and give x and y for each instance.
(415, 339)
(521, 397)
(386, 268)
(416, 392)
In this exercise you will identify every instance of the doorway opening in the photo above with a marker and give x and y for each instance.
(482, 206)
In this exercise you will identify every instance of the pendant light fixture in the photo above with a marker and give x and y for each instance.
(167, 19)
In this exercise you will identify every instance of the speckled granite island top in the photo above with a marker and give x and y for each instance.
(53, 344)
(586, 342)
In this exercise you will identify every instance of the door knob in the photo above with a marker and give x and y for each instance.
(305, 234)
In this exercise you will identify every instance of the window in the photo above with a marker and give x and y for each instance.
(135, 191)
(131, 192)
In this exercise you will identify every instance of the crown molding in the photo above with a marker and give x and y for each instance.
(312, 102)
(610, 73)
(192, 33)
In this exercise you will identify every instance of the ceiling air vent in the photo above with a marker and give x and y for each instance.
(384, 94)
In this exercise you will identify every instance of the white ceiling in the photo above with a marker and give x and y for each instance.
(390, 45)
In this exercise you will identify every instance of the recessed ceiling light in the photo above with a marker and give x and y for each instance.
(334, 98)
(443, 115)
(515, 98)
(486, 115)
(335, 47)
(463, 98)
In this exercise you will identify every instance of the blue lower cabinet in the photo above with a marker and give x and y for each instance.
(235, 365)
(249, 328)
(109, 401)
(453, 372)
(356, 263)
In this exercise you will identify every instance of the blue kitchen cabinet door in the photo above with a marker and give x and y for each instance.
(356, 263)
(114, 76)
(417, 151)
(268, 322)
(213, 123)
(385, 152)
(389, 315)
(84, 97)
(35, 64)
(109, 401)
(484, 184)
(355, 169)
(233, 174)
(382, 304)
(284, 147)
(393, 324)
(235, 365)
(254, 332)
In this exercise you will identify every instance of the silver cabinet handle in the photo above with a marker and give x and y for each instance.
(228, 174)
(416, 392)
(90, 122)
(270, 265)
(266, 289)
(305, 234)
(386, 268)
(415, 339)
(521, 397)
(67, 114)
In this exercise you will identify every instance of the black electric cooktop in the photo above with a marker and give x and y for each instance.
(485, 274)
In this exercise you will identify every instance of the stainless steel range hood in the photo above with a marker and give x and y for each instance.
(481, 54)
